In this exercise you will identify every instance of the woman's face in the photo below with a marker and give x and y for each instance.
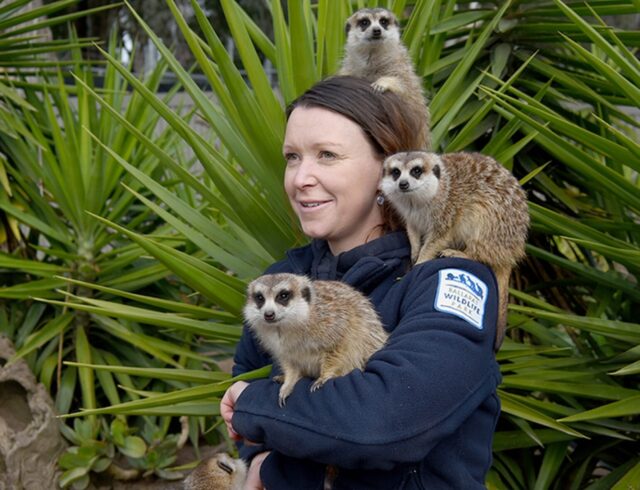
(332, 178)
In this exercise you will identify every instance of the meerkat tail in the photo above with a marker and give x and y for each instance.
(502, 275)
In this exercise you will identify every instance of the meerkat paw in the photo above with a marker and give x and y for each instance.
(453, 253)
(285, 391)
(383, 84)
(279, 378)
(378, 88)
(317, 384)
(424, 256)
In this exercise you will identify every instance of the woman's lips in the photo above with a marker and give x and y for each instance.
(310, 205)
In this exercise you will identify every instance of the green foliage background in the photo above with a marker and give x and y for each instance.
(139, 259)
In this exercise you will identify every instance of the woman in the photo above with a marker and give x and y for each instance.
(423, 412)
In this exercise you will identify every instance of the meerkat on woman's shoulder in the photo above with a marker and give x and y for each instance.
(460, 205)
(374, 51)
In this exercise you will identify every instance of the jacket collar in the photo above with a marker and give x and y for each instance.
(363, 267)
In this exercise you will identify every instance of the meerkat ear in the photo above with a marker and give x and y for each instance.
(436, 171)
(306, 294)
(347, 28)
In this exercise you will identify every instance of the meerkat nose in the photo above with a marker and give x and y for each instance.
(404, 185)
(269, 315)
(376, 32)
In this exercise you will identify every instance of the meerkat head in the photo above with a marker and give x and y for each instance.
(234, 469)
(219, 471)
(413, 175)
(278, 300)
(372, 26)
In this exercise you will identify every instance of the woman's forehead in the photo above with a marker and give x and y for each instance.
(319, 124)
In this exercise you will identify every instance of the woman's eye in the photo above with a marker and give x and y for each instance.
(327, 155)
(290, 156)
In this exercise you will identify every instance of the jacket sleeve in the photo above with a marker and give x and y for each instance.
(436, 369)
(247, 358)
(248, 355)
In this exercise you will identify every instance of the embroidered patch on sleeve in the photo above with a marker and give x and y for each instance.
(462, 294)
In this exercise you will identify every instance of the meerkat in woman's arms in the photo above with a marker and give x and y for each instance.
(460, 205)
(375, 52)
(220, 472)
(318, 329)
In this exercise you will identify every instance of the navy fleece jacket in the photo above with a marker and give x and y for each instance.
(421, 414)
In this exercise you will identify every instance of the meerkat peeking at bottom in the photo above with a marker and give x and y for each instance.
(374, 51)
(317, 329)
(460, 205)
(220, 472)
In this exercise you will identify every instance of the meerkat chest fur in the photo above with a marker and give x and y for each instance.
(374, 61)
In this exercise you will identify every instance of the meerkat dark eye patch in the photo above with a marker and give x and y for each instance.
(395, 173)
(258, 298)
(384, 22)
(436, 171)
(225, 467)
(283, 297)
(364, 23)
(416, 172)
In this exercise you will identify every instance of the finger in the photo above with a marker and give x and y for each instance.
(232, 433)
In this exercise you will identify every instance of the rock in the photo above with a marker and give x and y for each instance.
(30, 441)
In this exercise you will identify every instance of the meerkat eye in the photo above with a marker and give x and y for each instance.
(384, 22)
(225, 467)
(416, 172)
(259, 299)
(283, 297)
(364, 23)
(395, 173)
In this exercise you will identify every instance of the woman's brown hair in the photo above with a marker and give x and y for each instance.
(382, 117)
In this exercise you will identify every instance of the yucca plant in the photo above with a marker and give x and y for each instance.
(544, 87)
(58, 177)
(25, 49)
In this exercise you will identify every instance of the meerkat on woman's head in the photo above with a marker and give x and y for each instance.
(375, 52)
(460, 205)
(317, 329)
(220, 472)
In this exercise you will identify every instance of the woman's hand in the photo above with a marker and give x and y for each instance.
(253, 481)
(228, 404)
(227, 407)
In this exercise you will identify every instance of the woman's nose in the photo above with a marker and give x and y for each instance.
(305, 174)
